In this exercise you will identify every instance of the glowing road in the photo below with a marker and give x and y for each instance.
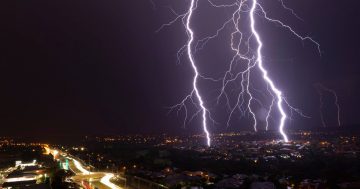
(84, 177)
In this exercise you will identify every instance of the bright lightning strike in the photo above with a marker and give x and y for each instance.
(259, 61)
(186, 19)
(246, 63)
(191, 59)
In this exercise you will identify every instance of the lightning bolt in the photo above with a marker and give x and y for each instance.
(193, 6)
(186, 20)
(320, 88)
(259, 62)
(246, 63)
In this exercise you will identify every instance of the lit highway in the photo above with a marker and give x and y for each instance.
(86, 178)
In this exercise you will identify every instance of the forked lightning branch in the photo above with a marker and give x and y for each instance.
(247, 46)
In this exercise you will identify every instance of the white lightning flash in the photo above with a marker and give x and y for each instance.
(259, 61)
(247, 46)
(320, 88)
(186, 20)
(193, 5)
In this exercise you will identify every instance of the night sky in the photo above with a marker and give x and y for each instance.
(99, 67)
